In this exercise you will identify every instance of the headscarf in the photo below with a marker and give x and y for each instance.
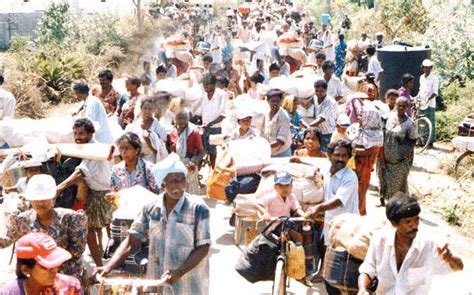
(171, 164)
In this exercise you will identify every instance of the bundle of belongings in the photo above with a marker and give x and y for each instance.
(349, 239)
(466, 128)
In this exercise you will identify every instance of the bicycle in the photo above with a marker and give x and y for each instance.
(424, 128)
(280, 281)
(464, 168)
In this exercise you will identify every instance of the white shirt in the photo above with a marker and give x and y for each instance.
(94, 111)
(428, 86)
(343, 186)
(374, 66)
(7, 104)
(244, 34)
(213, 108)
(255, 36)
(96, 173)
(334, 87)
(418, 267)
(326, 37)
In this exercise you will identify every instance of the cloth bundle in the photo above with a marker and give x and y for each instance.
(352, 233)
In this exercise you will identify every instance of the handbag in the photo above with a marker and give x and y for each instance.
(258, 261)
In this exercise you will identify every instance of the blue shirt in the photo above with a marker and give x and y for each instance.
(344, 186)
(173, 238)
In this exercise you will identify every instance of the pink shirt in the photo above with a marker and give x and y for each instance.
(276, 206)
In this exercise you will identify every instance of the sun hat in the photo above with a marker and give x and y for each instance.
(343, 121)
(40, 187)
(42, 248)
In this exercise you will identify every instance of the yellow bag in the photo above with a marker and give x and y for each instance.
(216, 184)
(352, 163)
(219, 179)
(296, 261)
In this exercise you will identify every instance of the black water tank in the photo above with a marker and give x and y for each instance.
(397, 60)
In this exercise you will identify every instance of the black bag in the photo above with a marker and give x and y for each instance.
(258, 260)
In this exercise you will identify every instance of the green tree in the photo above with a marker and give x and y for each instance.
(53, 26)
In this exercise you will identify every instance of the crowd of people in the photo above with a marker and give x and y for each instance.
(238, 68)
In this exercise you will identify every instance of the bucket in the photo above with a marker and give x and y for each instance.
(325, 18)
(341, 269)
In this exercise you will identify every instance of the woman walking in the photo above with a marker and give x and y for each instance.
(397, 154)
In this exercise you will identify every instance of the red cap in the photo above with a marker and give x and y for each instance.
(42, 248)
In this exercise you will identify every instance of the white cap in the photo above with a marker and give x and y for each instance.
(343, 120)
(40, 187)
(379, 34)
(427, 63)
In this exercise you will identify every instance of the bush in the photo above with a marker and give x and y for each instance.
(460, 103)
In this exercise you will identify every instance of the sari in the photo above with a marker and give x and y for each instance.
(396, 157)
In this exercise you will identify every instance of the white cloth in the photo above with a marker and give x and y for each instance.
(7, 104)
(374, 66)
(308, 114)
(94, 111)
(96, 173)
(414, 277)
(334, 87)
(428, 86)
(172, 164)
(343, 186)
(213, 108)
(156, 131)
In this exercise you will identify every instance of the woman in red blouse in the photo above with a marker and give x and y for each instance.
(185, 140)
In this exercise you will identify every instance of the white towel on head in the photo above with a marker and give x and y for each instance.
(171, 164)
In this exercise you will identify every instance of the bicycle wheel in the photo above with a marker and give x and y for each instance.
(424, 130)
(279, 283)
(465, 168)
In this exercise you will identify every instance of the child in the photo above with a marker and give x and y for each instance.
(282, 202)
(342, 123)
(32, 167)
(296, 118)
(245, 130)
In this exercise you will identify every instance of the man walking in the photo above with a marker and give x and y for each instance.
(429, 84)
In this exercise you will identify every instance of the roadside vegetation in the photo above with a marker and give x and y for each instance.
(67, 47)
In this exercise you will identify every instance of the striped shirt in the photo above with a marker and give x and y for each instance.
(172, 239)
(278, 128)
(327, 110)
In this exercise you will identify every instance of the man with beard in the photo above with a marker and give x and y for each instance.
(402, 259)
(177, 227)
(96, 175)
(340, 193)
